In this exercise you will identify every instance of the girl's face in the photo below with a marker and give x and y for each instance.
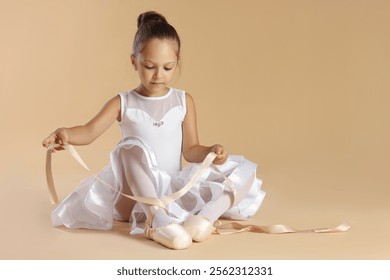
(156, 65)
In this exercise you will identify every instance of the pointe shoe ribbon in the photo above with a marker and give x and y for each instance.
(234, 227)
(49, 172)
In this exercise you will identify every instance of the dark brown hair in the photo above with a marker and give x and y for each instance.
(153, 25)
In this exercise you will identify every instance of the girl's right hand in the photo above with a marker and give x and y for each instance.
(60, 136)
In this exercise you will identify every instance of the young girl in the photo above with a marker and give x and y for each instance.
(158, 126)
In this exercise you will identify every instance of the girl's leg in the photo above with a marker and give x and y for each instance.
(215, 209)
(124, 205)
(200, 226)
(140, 182)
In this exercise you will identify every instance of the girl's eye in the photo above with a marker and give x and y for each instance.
(152, 67)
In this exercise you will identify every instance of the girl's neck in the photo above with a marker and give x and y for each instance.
(147, 93)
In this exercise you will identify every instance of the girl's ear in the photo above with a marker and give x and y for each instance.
(133, 61)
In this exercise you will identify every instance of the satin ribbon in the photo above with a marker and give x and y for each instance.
(220, 228)
(235, 227)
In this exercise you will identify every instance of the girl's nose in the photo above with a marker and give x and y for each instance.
(158, 73)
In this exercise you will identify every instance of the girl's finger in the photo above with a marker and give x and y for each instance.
(46, 143)
(219, 150)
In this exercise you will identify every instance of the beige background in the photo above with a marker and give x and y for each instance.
(299, 87)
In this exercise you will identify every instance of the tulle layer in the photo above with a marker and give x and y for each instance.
(92, 204)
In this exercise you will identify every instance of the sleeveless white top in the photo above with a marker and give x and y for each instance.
(157, 122)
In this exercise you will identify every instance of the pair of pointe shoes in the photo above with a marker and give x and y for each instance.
(179, 237)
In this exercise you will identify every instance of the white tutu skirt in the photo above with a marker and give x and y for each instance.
(92, 204)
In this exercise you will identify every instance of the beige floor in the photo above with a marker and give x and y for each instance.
(312, 194)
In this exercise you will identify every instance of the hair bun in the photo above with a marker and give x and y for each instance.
(150, 16)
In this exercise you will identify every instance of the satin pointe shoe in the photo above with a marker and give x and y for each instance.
(198, 227)
(172, 236)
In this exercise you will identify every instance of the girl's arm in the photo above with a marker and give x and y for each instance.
(192, 150)
(86, 134)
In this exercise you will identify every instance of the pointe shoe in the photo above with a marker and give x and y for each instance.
(198, 227)
(172, 236)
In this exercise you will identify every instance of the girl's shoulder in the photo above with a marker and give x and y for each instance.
(124, 95)
(182, 93)
(187, 100)
(176, 93)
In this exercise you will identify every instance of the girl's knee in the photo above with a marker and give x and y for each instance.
(133, 153)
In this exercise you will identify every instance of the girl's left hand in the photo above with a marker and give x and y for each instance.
(221, 152)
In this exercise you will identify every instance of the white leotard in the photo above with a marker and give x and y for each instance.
(156, 121)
